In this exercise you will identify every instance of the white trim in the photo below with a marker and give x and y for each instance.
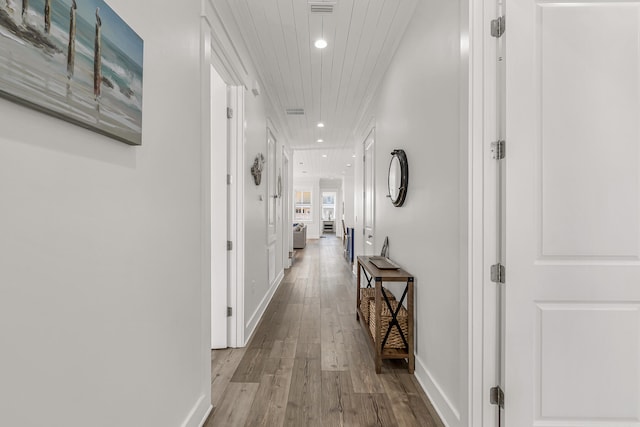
(369, 250)
(225, 58)
(205, 217)
(259, 312)
(199, 413)
(441, 402)
(286, 210)
(484, 214)
(236, 216)
(206, 416)
(479, 412)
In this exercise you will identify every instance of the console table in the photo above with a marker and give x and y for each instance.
(372, 273)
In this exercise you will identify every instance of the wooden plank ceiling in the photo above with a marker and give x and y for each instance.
(334, 85)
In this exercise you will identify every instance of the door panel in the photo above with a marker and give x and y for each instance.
(572, 334)
(219, 211)
(588, 130)
(369, 194)
(582, 345)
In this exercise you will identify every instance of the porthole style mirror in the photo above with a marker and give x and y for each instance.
(398, 177)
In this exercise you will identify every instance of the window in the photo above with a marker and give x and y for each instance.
(302, 206)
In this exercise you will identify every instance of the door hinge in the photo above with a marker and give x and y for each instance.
(229, 245)
(497, 27)
(496, 396)
(229, 311)
(498, 150)
(229, 113)
(497, 273)
(229, 182)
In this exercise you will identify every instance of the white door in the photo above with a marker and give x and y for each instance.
(572, 336)
(272, 237)
(368, 198)
(282, 187)
(219, 212)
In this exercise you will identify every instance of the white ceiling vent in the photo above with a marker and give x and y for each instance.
(322, 7)
(295, 111)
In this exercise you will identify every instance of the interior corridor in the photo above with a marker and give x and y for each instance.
(309, 364)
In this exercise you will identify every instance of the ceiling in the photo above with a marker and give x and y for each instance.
(334, 85)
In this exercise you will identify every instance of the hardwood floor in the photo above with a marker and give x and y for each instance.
(309, 364)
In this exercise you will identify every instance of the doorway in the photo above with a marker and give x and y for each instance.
(219, 211)
(329, 212)
(282, 187)
(368, 200)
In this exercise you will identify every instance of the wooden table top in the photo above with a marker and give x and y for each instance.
(398, 275)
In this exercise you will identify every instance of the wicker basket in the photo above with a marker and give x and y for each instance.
(367, 295)
(394, 340)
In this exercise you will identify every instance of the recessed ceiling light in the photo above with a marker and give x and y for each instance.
(321, 140)
(301, 163)
(348, 165)
(320, 124)
(304, 171)
(324, 155)
(320, 43)
(354, 156)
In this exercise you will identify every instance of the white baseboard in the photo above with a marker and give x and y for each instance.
(446, 410)
(199, 413)
(250, 326)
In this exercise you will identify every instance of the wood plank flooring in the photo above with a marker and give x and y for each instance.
(309, 364)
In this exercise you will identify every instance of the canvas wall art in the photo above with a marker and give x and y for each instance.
(76, 60)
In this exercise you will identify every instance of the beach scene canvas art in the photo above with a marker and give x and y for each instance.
(74, 59)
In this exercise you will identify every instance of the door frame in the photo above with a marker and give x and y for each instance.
(218, 136)
(369, 250)
(483, 224)
(218, 51)
(285, 207)
(236, 217)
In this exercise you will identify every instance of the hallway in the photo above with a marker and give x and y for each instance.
(309, 364)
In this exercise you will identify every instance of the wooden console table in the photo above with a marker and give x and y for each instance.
(373, 273)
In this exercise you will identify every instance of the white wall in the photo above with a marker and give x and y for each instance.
(258, 113)
(258, 290)
(421, 108)
(100, 256)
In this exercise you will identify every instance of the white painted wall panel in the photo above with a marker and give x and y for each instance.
(588, 134)
(419, 110)
(100, 269)
(585, 344)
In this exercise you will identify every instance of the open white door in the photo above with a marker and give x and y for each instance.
(368, 199)
(219, 218)
(282, 187)
(272, 207)
(572, 354)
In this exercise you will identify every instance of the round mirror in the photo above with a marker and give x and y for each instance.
(398, 177)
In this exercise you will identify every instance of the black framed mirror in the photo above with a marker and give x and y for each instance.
(398, 177)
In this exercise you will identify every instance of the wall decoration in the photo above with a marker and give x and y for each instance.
(256, 169)
(279, 186)
(76, 60)
(398, 179)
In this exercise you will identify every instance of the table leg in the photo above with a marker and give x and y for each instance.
(378, 326)
(410, 320)
(358, 292)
